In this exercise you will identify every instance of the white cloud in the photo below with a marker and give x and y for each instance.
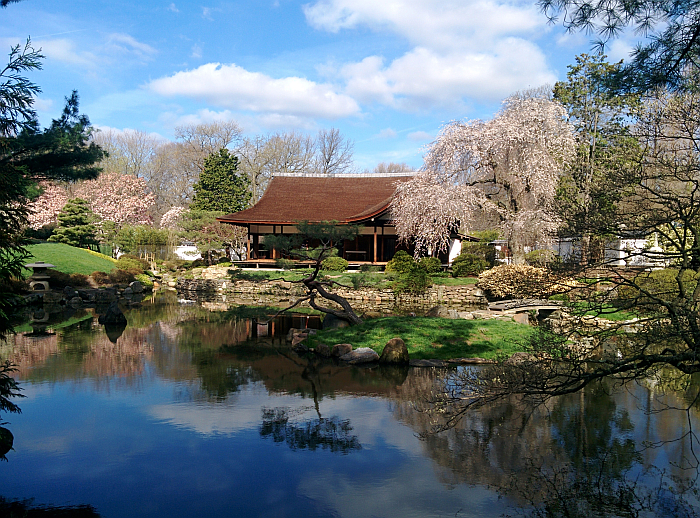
(173, 8)
(387, 133)
(196, 51)
(124, 43)
(422, 78)
(230, 86)
(206, 13)
(438, 24)
(619, 49)
(420, 136)
(43, 105)
(66, 51)
(460, 49)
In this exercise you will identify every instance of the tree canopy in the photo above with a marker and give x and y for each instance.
(220, 187)
(669, 56)
(480, 174)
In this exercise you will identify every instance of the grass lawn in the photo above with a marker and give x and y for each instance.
(69, 259)
(454, 281)
(432, 338)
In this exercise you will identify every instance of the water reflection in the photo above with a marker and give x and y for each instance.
(189, 401)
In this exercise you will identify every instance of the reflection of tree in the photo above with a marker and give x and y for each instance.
(25, 509)
(332, 433)
(576, 457)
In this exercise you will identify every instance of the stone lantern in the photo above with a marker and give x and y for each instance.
(39, 281)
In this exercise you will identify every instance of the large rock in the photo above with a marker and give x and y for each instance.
(438, 311)
(333, 322)
(339, 350)
(323, 350)
(395, 352)
(361, 355)
(113, 315)
(136, 287)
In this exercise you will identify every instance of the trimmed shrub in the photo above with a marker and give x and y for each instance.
(482, 251)
(145, 280)
(369, 268)
(59, 280)
(101, 278)
(130, 262)
(431, 264)
(118, 276)
(402, 262)
(468, 265)
(284, 264)
(523, 281)
(540, 258)
(416, 280)
(334, 264)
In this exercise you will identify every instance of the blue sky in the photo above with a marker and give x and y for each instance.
(388, 74)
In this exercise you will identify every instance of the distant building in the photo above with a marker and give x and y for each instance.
(349, 199)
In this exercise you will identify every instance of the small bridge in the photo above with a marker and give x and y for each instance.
(543, 308)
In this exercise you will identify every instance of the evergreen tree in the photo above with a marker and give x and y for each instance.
(76, 225)
(588, 190)
(220, 188)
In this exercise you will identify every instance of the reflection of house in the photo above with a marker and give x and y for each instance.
(348, 199)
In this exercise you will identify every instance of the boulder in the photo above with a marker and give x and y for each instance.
(520, 358)
(113, 315)
(323, 350)
(300, 348)
(128, 293)
(361, 355)
(522, 318)
(69, 292)
(299, 337)
(333, 322)
(76, 302)
(395, 352)
(105, 296)
(136, 287)
(438, 311)
(339, 350)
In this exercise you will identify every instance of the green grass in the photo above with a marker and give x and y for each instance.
(433, 338)
(454, 281)
(69, 259)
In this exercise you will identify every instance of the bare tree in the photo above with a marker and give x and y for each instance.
(201, 140)
(502, 171)
(393, 168)
(333, 152)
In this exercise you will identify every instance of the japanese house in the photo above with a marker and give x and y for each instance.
(350, 199)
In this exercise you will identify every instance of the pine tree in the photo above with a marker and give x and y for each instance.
(220, 187)
(76, 225)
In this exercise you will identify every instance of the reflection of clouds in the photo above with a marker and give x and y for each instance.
(408, 493)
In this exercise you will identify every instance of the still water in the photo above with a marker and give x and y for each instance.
(191, 411)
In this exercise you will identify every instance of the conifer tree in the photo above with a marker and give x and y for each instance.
(220, 187)
(76, 225)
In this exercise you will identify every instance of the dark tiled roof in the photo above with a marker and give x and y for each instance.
(346, 199)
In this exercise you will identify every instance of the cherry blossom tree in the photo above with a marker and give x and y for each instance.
(121, 198)
(45, 209)
(171, 218)
(480, 174)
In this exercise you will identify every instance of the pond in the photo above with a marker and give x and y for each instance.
(194, 412)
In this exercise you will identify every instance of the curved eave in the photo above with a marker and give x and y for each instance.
(348, 221)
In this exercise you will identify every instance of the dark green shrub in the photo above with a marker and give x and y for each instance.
(416, 280)
(334, 264)
(540, 258)
(41, 234)
(118, 276)
(284, 264)
(369, 268)
(482, 251)
(131, 262)
(59, 280)
(468, 265)
(660, 284)
(431, 264)
(400, 263)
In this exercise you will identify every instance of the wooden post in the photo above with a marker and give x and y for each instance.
(375, 243)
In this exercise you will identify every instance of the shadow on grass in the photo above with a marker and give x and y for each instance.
(434, 338)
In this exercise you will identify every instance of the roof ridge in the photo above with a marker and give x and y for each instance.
(348, 175)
